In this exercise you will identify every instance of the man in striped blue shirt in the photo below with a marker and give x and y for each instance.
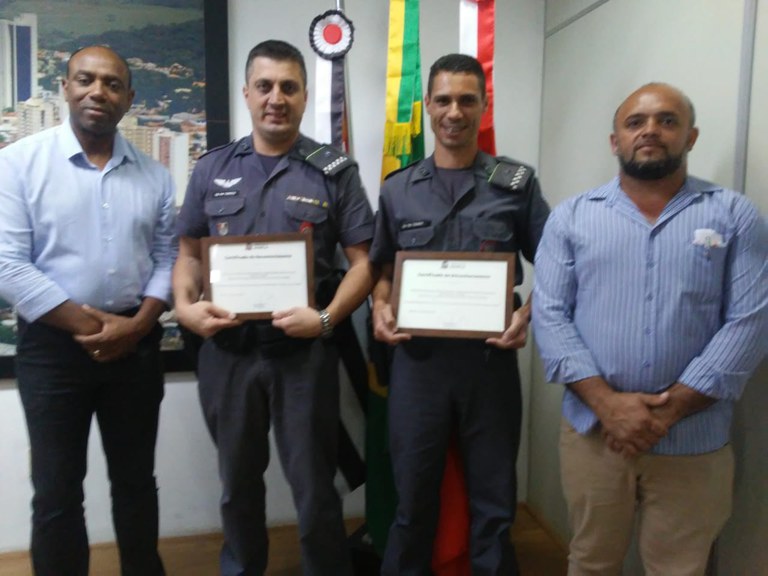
(651, 306)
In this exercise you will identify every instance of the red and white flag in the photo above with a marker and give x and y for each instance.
(476, 38)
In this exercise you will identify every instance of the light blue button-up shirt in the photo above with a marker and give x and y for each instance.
(69, 231)
(645, 305)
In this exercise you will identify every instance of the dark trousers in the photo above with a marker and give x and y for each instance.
(61, 389)
(436, 387)
(296, 388)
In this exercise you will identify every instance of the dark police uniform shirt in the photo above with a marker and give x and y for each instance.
(499, 209)
(230, 193)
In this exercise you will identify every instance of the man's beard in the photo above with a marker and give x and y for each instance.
(651, 170)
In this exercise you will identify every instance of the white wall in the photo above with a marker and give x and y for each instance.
(186, 459)
(742, 545)
(591, 64)
(186, 471)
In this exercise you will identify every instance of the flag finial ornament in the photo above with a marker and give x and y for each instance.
(331, 34)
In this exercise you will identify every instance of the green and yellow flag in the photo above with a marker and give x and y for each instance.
(403, 144)
(403, 129)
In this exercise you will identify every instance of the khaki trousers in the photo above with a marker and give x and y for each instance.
(680, 504)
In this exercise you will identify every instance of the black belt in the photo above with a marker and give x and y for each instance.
(271, 342)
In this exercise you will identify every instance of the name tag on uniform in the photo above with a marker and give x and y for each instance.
(225, 193)
(415, 224)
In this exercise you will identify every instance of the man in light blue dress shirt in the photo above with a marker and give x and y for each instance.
(87, 246)
(651, 306)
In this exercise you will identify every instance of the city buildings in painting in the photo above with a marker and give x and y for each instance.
(167, 120)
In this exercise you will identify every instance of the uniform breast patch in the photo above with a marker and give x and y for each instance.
(415, 224)
(226, 182)
(305, 200)
(225, 193)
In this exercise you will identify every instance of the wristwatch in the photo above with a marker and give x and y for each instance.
(326, 329)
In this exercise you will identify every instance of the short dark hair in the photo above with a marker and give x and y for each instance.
(119, 56)
(457, 64)
(276, 50)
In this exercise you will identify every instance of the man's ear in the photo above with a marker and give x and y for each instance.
(692, 137)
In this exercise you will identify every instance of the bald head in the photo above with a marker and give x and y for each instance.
(659, 88)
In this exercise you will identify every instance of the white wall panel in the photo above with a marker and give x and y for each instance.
(560, 12)
(742, 548)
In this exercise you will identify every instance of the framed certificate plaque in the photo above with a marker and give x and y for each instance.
(253, 276)
(453, 294)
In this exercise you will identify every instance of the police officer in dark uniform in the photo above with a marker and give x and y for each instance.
(284, 370)
(459, 199)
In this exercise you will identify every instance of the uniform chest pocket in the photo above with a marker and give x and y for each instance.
(493, 230)
(218, 207)
(306, 212)
(415, 238)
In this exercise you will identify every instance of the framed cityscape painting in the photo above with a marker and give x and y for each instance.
(177, 51)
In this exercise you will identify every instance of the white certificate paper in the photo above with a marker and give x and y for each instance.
(455, 296)
(256, 276)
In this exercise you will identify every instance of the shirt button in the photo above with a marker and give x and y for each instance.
(108, 239)
(647, 330)
(649, 297)
(110, 302)
(646, 364)
(105, 205)
(111, 271)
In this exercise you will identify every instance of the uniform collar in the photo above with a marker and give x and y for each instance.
(245, 146)
(483, 166)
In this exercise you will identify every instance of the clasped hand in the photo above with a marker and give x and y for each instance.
(117, 338)
(632, 423)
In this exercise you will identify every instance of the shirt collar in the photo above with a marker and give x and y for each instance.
(612, 191)
(121, 151)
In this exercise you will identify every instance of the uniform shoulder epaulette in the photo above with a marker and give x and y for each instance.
(329, 160)
(401, 169)
(510, 174)
(216, 148)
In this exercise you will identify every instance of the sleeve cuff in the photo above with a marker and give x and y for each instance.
(357, 235)
(159, 286)
(712, 383)
(570, 368)
(40, 304)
